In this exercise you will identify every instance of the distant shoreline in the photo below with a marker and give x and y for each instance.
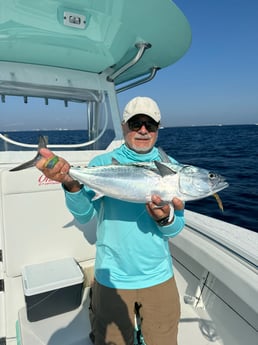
(162, 127)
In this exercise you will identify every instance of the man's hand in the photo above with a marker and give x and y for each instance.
(158, 210)
(56, 169)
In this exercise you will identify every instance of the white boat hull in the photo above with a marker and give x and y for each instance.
(215, 273)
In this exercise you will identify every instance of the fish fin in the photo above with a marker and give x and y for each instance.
(97, 196)
(163, 156)
(161, 204)
(163, 169)
(115, 161)
(27, 165)
(42, 144)
(171, 212)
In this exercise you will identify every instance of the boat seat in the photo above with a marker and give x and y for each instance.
(71, 328)
(37, 226)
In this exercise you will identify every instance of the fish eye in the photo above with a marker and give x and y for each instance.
(212, 175)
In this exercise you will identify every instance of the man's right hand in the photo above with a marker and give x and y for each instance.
(58, 172)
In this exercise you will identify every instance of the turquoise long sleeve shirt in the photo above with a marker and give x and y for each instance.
(132, 250)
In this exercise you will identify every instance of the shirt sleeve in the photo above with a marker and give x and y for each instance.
(173, 229)
(80, 205)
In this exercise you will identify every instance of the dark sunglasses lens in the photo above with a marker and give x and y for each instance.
(149, 125)
(134, 125)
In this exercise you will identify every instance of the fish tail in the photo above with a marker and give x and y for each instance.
(31, 163)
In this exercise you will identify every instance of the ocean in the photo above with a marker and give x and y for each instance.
(231, 151)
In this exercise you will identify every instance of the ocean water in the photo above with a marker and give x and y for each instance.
(231, 151)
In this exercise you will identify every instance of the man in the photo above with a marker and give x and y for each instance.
(133, 268)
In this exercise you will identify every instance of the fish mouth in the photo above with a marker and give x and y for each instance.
(222, 184)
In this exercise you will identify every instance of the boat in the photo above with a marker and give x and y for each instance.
(87, 52)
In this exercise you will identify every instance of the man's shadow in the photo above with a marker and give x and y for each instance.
(88, 229)
(87, 320)
(117, 314)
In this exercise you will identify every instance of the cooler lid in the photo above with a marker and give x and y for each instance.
(48, 276)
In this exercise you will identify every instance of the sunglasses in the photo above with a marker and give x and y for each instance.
(135, 125)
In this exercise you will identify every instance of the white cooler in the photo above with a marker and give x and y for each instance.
(52, 288)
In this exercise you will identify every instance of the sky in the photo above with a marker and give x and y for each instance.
(216, 82)
(217, 79)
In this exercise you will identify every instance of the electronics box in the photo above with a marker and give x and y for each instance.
(52, 288)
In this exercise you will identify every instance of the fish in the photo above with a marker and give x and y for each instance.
(137, 182)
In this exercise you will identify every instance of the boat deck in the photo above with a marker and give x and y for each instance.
(74, 328)
(193, 328)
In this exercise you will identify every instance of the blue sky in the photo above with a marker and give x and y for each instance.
(215, 82)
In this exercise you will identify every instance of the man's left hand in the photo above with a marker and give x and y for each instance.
(158, 210)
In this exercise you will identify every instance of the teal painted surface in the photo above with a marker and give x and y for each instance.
(18, 333)
(33, 32)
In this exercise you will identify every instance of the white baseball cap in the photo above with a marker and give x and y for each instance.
(142, 105)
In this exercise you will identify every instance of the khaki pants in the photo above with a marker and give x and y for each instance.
(112, 314)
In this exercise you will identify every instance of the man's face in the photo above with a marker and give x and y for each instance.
(140, 133)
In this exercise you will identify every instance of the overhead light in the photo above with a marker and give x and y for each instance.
(74, 20)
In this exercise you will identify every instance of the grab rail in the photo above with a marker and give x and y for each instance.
(141, 46)
(139, 82)
(64, 146)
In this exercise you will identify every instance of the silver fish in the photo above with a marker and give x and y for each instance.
(137, 182)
